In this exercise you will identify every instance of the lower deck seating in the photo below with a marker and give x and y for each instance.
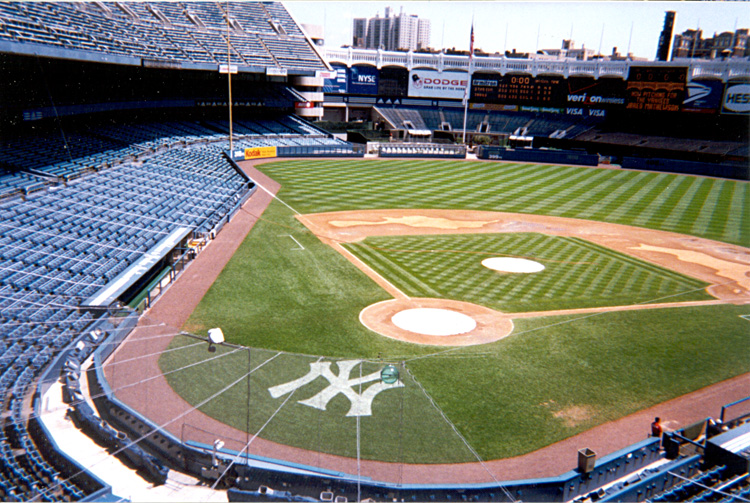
(63, 243)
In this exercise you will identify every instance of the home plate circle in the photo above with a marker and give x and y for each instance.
(436, 322)
(512, 264)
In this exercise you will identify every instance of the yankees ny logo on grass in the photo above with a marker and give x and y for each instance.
(361, 404)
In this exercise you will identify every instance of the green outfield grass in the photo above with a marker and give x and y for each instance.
(577, 273)
(706, 207)
(553, 377)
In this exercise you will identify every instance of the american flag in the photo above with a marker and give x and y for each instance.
(471, 42)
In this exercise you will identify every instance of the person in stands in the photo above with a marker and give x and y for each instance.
(656, 429)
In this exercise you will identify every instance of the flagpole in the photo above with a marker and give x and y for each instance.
(468, 80)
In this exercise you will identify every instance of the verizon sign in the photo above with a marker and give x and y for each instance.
(433, 84)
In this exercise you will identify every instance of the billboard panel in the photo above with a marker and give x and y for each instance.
(547, 91)
(601, 93)
(363, 80)
(434, 84)
(337, 83)
(703, 96)
(656, 88)
(393, 82)
(736, 98)
(260, 152)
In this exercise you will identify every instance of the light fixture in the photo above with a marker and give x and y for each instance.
(215, 336)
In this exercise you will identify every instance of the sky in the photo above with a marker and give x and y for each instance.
(501, 25)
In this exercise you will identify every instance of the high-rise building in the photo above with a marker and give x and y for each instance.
(665, 39)
(378, 33)
(423, 34)
(404, 32)
(359, 32)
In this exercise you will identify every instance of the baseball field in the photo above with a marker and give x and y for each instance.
(639, 285)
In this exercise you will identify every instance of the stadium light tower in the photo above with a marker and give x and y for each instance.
(229, 79)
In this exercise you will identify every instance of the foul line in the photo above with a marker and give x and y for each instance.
(295, 240)
(369, 271)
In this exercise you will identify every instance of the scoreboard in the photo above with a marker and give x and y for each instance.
(656, 88)
(518, 89)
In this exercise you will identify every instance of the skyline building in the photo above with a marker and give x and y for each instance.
(402, 32)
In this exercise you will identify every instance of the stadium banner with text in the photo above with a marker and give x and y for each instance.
(393, 82)
(260, 152)
(337, 83)
(585, 112)
(703, 96)
(363, 80)
(736, 98)
(656, 88)
(602, 93)
(522, 90)
(434, 84)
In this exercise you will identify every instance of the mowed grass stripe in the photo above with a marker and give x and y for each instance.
(523, 181)
(629, 188)
(712, 209)
(547, 191)
(733, 228)
(634, 206)
(596, 186)
(393, 272)
(679, 186)
(656, 205)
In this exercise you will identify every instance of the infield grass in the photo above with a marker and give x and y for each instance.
(552, 378)
(577, 273)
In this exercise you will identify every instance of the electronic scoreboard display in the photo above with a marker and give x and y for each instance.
(656, 89)
(518, 89)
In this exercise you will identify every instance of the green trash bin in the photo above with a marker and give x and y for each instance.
(586, 460)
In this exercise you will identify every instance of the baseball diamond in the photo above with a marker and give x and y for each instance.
(241, 260)
(562, 363)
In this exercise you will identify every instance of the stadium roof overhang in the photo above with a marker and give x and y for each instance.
(45, 51)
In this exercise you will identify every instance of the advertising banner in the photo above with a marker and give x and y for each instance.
(656, 88)
(393, 82)
(337, 83)
(259, 152)
(363, 80)
(434, 84)
(586, 112)
(736, 98)
(523, 90)
(602, 93)
(703, 96)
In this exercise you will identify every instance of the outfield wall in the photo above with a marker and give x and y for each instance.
(537, 155)
(735, 171)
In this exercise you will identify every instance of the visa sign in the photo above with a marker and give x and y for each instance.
(737, 99)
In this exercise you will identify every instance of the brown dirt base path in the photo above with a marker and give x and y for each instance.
(134, 374)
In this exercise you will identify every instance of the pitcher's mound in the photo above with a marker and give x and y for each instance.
(512, 264)
(430, 321)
